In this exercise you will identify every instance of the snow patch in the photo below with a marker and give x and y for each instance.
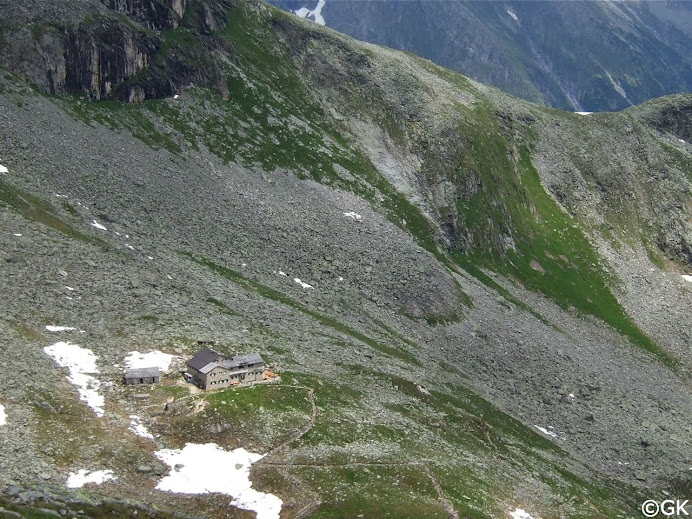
(316, 13)
(69, 288)
(422, 389)
(583, 113)
(519, 513)
(513, 15)
(207, 468)
(3, 415)
(687, 278)
(135, 359)
(17, 234)
(683, 141)
(355, 216)
(3, 169)
(94, 223)
(82, 477)
(545, 431)
(282, 273)
(137, 427)
(303, 284)
(79, 361)
(51, 328)
(176, 96)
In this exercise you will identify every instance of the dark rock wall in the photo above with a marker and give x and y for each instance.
(154, 14)
(117, 53)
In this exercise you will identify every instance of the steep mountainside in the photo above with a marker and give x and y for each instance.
(596, 56)
(477, 305)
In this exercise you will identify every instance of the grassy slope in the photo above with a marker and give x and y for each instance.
(253, 128)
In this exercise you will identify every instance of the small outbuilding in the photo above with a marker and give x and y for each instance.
(136, 376)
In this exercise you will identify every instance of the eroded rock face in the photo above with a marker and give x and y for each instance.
(674, 117)
(114, 53)
(93, 58)
(156, 15)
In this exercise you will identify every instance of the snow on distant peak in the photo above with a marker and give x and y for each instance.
(156, 358)
(82, 477)
(513, 15)
(3, 415)
(79, 361)
(208, 469)
(94, 223)
(303, 284)
(519, 513)
(316, 13)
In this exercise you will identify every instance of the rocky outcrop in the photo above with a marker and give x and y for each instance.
(93, 58)
(117, 55)
(154, 14)
(672, 114)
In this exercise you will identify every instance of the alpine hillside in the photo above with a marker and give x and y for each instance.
(478, 306)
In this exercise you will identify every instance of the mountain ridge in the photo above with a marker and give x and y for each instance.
(575, 56)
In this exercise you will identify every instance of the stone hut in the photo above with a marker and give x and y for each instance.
(138, 376)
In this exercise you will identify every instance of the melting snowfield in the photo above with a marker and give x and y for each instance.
(79, 361)
(302, 283)
(137, 427)
(82, 477)
(354, 216)
(94, 223)
(3, 415)
(545, 431)
(156, 358)
(59, 328)
(520, 514)
(208, 469)
(687, 278)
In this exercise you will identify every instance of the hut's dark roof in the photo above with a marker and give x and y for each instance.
(142, 372)
(202, 358)
(249, 358)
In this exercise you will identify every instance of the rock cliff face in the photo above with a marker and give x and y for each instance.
(118, 53)
(154, 14)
